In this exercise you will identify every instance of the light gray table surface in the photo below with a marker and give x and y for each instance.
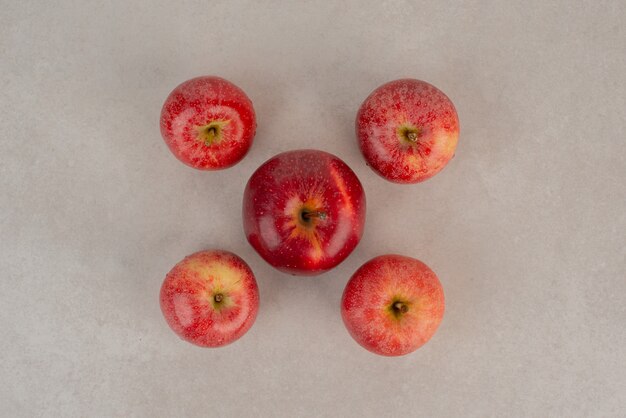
(525, 227)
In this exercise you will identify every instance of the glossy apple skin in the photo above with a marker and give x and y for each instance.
(369, 302)
(199, 104)
(297, 181)
(407, 130)
(188, 298)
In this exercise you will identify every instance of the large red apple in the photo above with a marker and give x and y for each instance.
(304, 211)
(210, 298)
(407, 130)
(392, 305)
(208, 123)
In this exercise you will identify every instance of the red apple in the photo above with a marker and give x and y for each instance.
(392, 305)
(210, 298)
(407, 130)
(208, 123)
(304, 211)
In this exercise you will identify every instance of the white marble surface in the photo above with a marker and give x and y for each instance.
(525, 227)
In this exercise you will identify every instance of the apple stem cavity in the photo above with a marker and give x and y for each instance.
(218, 297)
(212, 133)
(409, 134)
(400, 308)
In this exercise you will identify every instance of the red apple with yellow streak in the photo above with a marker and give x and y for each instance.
(210, 298)
(407, 130)
(208, 123)
(393, 305)
(304, 211)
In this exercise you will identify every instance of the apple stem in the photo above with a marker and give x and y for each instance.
(306, 215)
(218, 298)
(400, 307)
(211, 134)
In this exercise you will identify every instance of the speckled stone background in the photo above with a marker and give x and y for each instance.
(526, 226)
